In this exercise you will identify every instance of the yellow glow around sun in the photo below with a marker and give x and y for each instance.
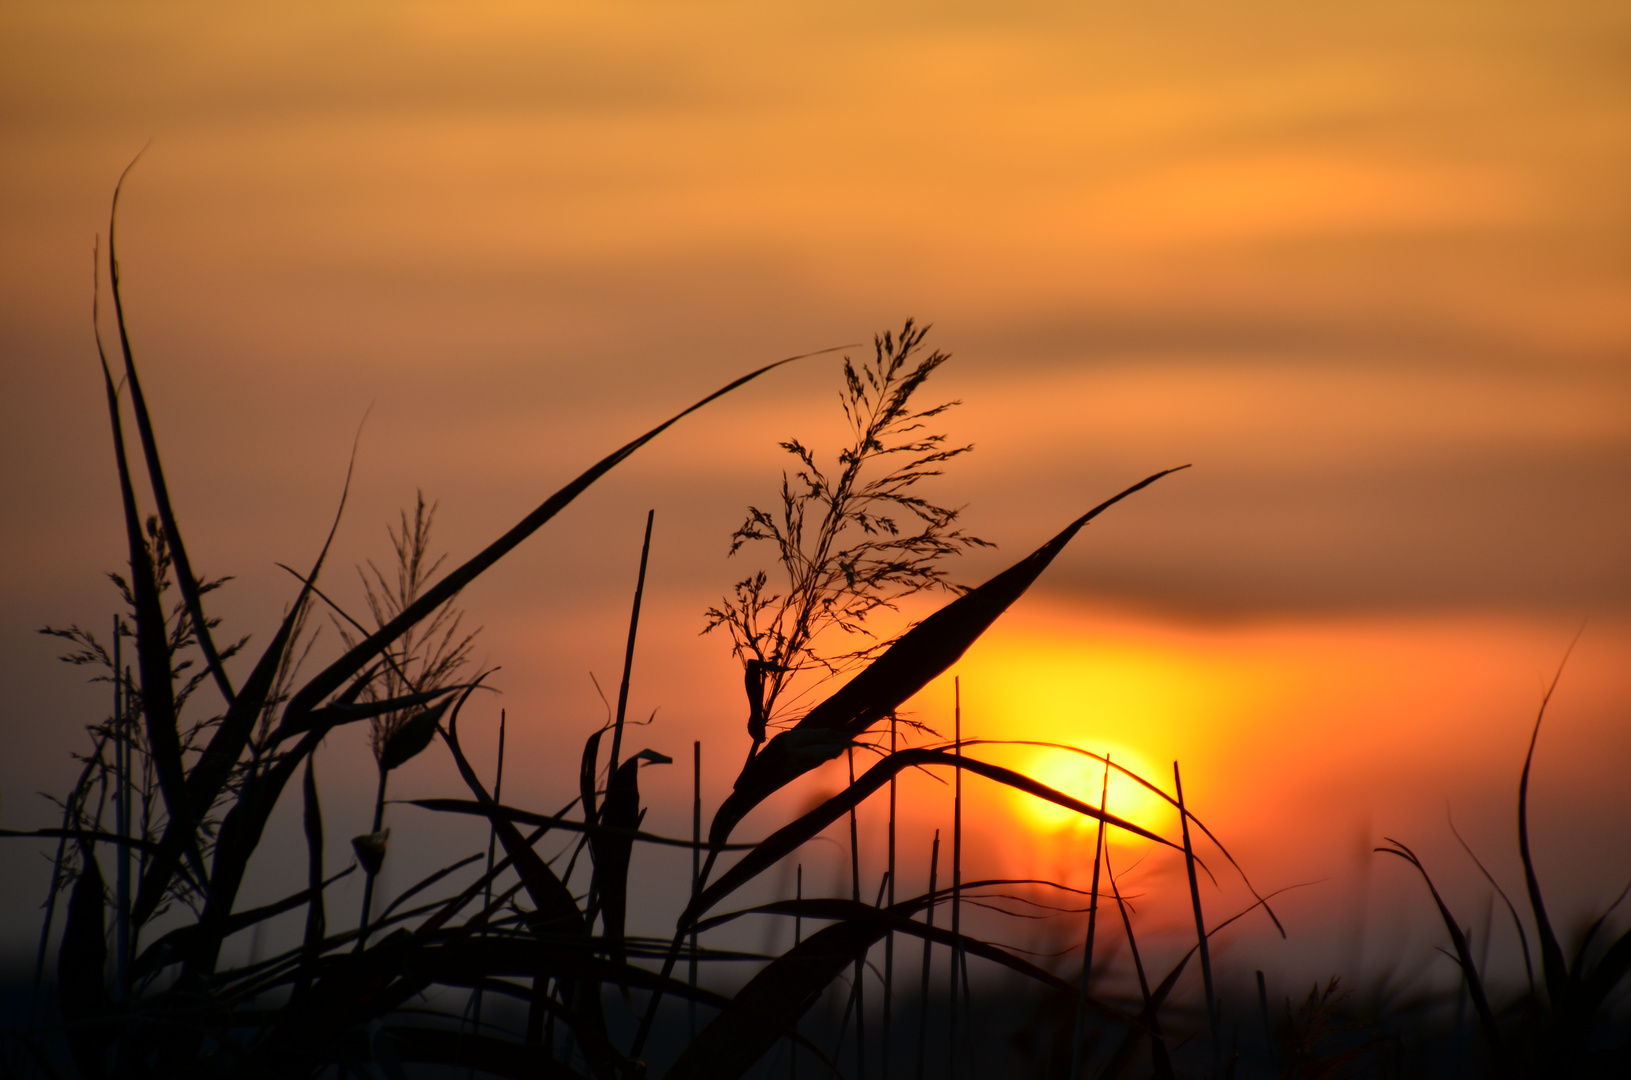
(1083, 778)
(1144, 702)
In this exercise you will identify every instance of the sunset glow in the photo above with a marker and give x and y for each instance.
(1365, 269)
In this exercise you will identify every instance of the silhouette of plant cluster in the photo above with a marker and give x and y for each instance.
(848, 542)
(175, 798)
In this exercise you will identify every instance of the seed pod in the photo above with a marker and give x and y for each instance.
(370, 849)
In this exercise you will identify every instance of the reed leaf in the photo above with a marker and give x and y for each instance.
(796, 833)
(192, 594)
(331, 677)
(152, 646)
(1554, 969)
(316, 915)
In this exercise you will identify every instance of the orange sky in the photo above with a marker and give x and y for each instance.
(1365, 267)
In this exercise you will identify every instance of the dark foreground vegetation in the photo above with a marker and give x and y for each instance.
(516, 961)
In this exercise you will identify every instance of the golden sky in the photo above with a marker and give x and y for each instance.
(1368, 267)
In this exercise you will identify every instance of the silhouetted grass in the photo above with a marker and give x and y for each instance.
(537, 947)
(192, 796)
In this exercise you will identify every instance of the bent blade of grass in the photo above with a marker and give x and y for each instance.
(328, 680)
(1463, 951)
(316, 915)
(152, 645)
(1158, 997)
(1150, 1017)
(1092, 926)
(248, 818)
(1517, 923)
(191, 594)
(628, 653)
(793, 835)
(1157, 791)
(556, 912)
(921, 654)
(209, 776)
(1200, 928)
(1554, 969)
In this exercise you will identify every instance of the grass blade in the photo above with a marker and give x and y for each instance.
(1517, 923)
(923, 991)
(330, 679)
(628, 652)
(1463, 952)
(793, 835)
(191, 594)
(1200, 928)
(152, 645)
(1151, 1015)
(696, 878)
(1092, 926)
(956, 872)
(209, 777)
(316, 917)
(1553, 968)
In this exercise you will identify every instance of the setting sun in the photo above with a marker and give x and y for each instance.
(1083, 777)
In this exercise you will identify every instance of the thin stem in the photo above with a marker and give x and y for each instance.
(1157, 1043)
(858, 991)
(889, 938)
(1200, 929)
(798, 936)
(1268, 1025)
(492, 847)
(696, 874)
(628, 652)
(923, 993)
(1092, 924)
(368, 881)
(956, 864)
(121, 813)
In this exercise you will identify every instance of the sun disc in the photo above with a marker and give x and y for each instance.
(1082, 778)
